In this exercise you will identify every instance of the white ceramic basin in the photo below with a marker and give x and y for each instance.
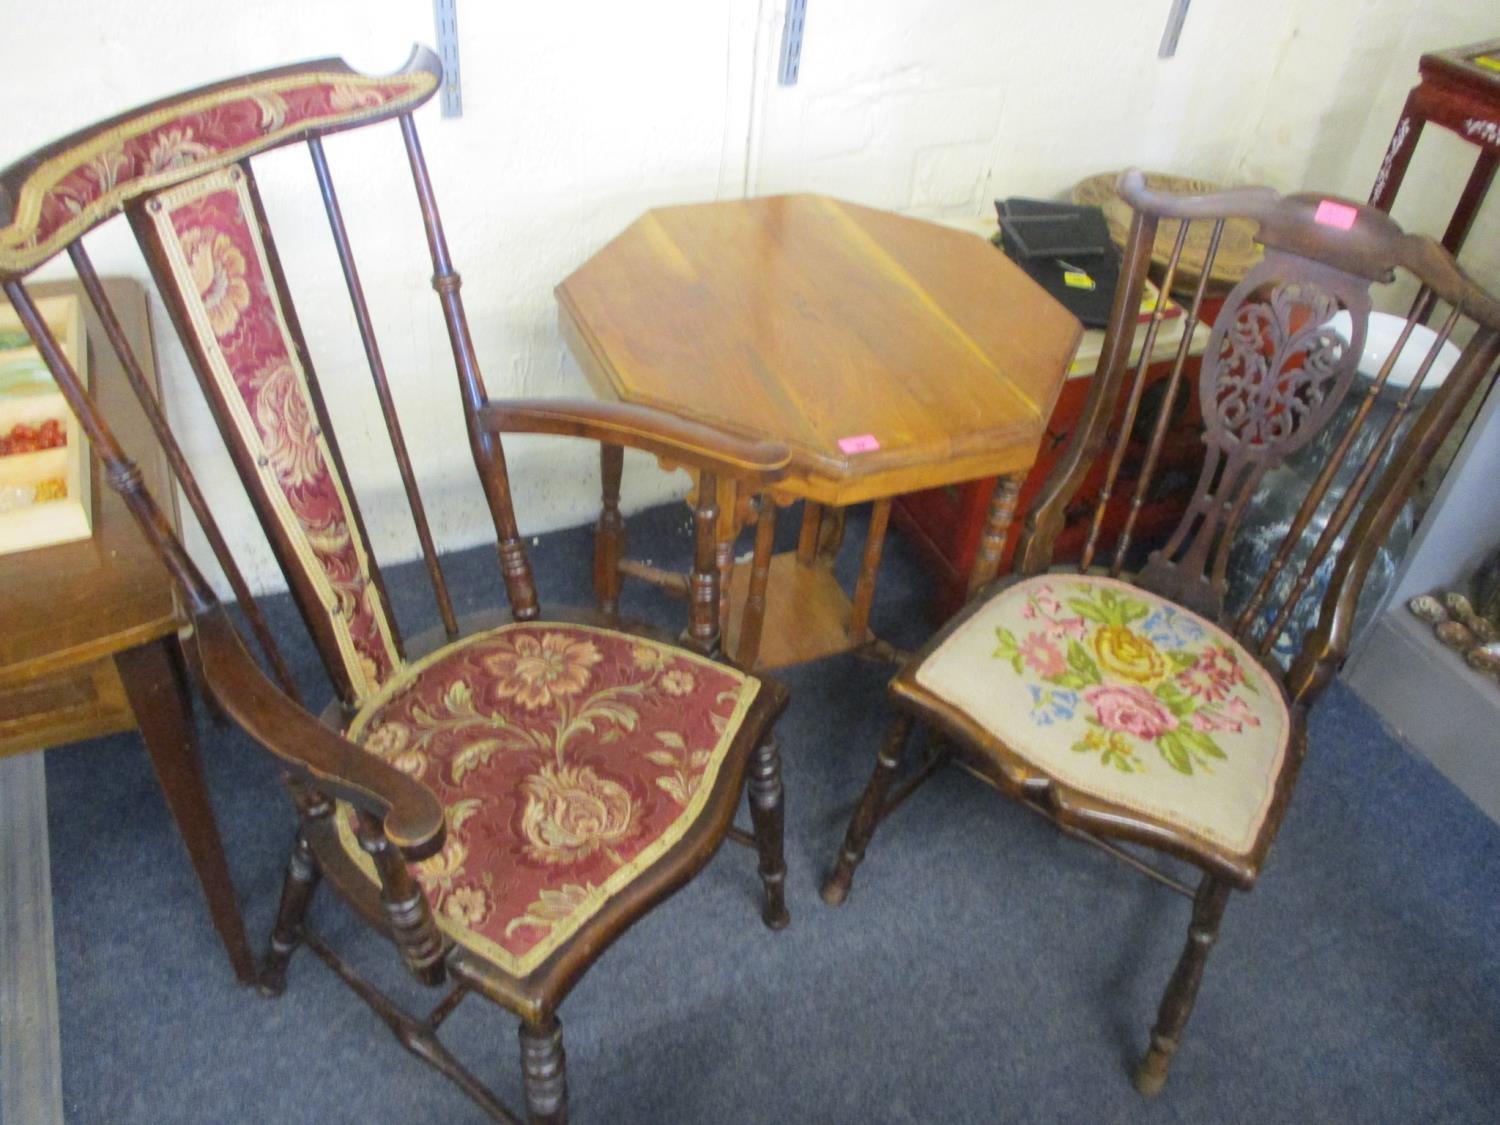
(1380, 339)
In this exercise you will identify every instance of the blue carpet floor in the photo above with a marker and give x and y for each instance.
(985, 969)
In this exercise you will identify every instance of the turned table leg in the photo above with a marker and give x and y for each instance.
(753, 616)
(155, 680)
(864, 587)
(807, 537)
(996, 530)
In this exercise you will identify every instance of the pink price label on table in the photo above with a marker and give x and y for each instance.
(862, 443)
(1338, 215)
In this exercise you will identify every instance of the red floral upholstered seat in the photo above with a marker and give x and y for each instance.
(568, 758)
(1122, 695)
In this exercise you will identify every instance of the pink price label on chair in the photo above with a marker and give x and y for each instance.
(1338, 215)
(862, 443)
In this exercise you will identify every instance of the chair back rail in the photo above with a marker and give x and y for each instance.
(63, 190)
(179, 169)
(1273, 376)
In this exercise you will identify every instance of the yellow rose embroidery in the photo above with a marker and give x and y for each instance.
(1128, 655)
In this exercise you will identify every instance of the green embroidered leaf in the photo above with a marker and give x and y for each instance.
(1175, 752)
(1006, 648)
(1089, 611)
(1132, 610)
(1083, 665)
(1178, 701)
(1082, 747)
(1200, 743)
(1181, 660)
(1070, 680)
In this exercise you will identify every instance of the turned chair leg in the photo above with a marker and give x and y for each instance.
(544, 1070)
(867, 812)
(1182, 990)
(302, 877)
(765, 792)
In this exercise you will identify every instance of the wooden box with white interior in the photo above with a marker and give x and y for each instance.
(45, 488)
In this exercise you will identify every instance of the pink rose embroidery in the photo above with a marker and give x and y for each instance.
(1131, 709)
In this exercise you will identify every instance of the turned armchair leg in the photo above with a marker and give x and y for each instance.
(867, 812)
(765, 792)
(544, 1070)
(1182, 990)
(296, 892)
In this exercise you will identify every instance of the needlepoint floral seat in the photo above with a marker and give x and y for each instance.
(568, 759)
(1122, 695)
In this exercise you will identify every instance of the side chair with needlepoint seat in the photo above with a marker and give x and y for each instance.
(507, 796)
(1123, 697)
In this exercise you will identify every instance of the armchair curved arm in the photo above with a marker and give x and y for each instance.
(642, 427)
(412, 815)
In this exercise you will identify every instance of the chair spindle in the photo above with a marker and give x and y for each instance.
(1133, 402)
(1169, 398)
(609, 536)
(1355, 492)
(1320, 485)
(515, 569)
(382, 385)
(167, 440)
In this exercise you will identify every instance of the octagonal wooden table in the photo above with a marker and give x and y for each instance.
(888, 353)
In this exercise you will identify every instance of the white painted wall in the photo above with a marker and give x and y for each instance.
(580, 114)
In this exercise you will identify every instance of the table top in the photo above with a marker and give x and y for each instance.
(67, 605)
(1475, 67)
(817, 322)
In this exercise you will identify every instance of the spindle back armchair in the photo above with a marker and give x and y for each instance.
(1133, 701)
(505, 806)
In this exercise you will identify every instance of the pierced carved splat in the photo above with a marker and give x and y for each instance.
(1272, 376)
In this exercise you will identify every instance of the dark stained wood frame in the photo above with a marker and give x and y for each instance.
(1345, 258)
(400, 820)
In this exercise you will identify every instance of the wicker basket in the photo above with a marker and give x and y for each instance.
(1238, 250)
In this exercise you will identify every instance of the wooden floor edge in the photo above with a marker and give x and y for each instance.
(30, 1047)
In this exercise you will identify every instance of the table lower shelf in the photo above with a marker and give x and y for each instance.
(81, 703)
(807, 613)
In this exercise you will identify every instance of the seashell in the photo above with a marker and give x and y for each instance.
(1484, 629)
(1484, 658)
(1457, 605)
(1427, 608)
(1456, 635)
